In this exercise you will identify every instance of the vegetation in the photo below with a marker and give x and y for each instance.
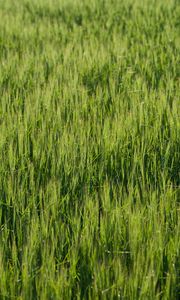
(89, 149)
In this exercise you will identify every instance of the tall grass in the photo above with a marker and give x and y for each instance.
(89, 149)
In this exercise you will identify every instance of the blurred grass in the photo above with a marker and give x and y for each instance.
(89, 149)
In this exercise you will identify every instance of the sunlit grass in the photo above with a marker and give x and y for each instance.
(89, 149)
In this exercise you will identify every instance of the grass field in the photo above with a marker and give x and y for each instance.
(89, 149)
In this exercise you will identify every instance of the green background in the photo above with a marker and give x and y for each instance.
(89, 149)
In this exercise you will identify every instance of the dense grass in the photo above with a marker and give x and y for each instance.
(89, 149)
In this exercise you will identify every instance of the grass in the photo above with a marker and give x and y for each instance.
(89, 149)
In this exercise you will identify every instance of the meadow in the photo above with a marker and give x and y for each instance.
(89, 149)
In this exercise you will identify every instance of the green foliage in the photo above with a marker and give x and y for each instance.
(89, 149)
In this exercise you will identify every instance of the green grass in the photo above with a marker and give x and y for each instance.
(89, 149)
